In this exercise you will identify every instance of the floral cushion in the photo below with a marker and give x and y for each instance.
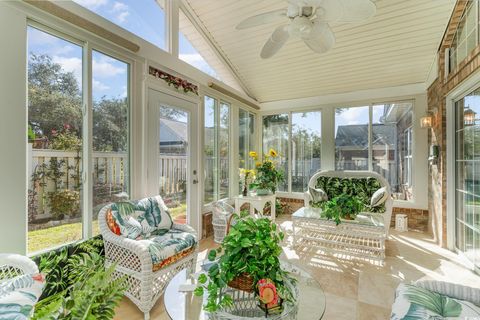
(415, 303)
(19, 295)
(139, 219)
(169, 246)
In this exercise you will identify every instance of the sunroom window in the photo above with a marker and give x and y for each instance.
(466, 35)
(59, 143)
(55, 139)
(145, 18)
(216, 149)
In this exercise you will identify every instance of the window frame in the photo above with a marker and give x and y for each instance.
(88, 45)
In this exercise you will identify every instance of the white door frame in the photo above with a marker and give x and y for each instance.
(155, 95)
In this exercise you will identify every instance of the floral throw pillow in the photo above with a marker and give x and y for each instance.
(415, 303)
(317, 195)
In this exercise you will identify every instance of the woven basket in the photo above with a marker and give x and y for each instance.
(243, 282)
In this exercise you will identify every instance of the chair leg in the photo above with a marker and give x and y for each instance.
(146, 315)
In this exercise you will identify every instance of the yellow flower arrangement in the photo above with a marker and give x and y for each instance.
(253, 155)
(267, 175)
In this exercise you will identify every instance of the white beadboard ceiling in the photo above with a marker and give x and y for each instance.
(396, 47)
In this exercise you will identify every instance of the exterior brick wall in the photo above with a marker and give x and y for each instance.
(417, 218)
(437, 93)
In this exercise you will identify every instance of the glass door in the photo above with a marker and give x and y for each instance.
(467, 173)
(172, 168)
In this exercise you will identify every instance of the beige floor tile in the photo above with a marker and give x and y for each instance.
(377, 288)
(340, 308)
(370, 312)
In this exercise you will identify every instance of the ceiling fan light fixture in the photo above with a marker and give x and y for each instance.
(301, 27)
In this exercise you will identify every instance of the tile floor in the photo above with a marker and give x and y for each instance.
(356, 289)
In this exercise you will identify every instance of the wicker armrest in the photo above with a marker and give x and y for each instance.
(452, 290)
(25, 264)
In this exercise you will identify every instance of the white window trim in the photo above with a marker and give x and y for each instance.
(328, 139)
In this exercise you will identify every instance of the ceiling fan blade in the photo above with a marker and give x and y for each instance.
(322, 38)
(278, 38)
(347, 10)
(263, 18)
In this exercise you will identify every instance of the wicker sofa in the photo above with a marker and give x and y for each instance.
(360, 183)
(149, 257)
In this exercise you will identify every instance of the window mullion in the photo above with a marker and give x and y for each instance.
(370, 131)
(289, 153)
(87, 190)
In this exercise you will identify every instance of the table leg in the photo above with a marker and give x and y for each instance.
(273, 210)
(294, 234)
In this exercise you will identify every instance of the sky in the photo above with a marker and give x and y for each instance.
(146, 19)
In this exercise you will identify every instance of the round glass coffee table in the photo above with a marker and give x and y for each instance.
(186, 306)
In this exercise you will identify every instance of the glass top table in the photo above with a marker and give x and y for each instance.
(186, 306)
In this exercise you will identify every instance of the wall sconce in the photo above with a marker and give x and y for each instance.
(428, 120)
(469, 116)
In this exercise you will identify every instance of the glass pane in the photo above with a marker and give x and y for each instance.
(392, 146)
(54, 141)
(210, 150)
(275, 136)
(172, 161)
(193, 49)
(306, 148)
(144, 18)
(243, 135)
(351, 138)
(223, 149)
(110, 132)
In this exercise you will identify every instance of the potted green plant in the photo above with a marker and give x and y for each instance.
(249, 261)
(344, 206)
(267, 176)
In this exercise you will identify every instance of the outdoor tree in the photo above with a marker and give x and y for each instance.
(54, 97)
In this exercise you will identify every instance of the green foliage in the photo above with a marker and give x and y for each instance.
(362, 188)
(92, 293)
(30, 133)
(110, 124)
(64, 202)
(67, 141)
(268, 176)
(341, 207)
(252, 247)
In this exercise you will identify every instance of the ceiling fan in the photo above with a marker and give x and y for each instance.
(309, 21)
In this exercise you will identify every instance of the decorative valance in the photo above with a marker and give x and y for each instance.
(172, 80)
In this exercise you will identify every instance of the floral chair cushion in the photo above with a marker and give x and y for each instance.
(139, 219)
(18, 296)
(415, 303)
(170, 247)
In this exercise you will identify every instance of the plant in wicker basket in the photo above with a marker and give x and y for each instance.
(249, 253)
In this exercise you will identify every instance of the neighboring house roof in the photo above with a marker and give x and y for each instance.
(356, 135)
(173, 132)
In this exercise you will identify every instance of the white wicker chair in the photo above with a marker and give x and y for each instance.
(132, 259)
(387, 215)
(14, 265)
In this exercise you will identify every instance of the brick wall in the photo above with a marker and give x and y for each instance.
(417, 218)
(437, 93)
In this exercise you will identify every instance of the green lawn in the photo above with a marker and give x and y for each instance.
(56, 236)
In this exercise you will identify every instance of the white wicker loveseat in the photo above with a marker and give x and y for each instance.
(364, 237)
(20, 286)
(358, 175)
(149, 257)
